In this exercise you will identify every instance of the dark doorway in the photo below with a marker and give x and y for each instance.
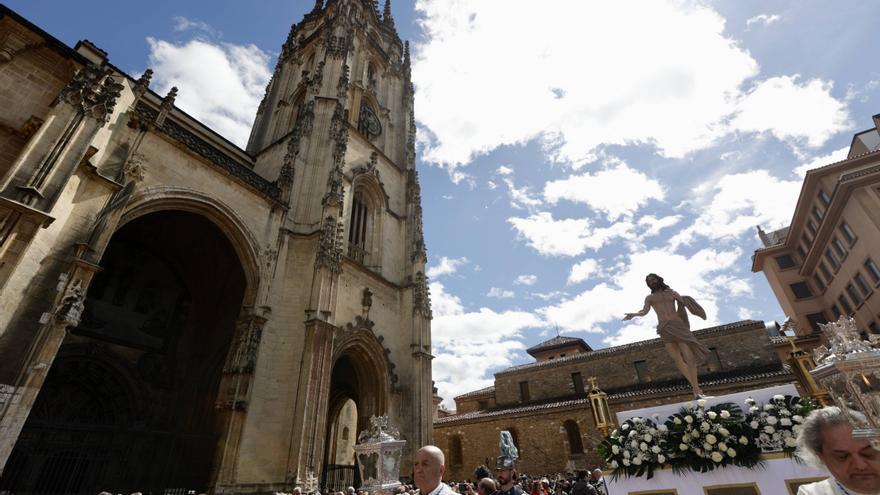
(129, 403)
(343, 424)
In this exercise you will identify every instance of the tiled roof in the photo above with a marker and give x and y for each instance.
(476, 393)
(558, 341)
(738, 376)
(584, 356)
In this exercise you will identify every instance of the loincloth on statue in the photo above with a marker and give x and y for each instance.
(677, 331)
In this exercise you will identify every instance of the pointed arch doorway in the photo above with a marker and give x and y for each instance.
(360, 385)
(130, 401)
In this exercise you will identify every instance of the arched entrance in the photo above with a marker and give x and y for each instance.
(359, 389)
(129, 403)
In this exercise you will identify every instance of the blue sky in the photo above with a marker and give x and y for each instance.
(566, 148)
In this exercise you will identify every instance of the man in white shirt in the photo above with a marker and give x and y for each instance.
(826, 439)
(428, 470)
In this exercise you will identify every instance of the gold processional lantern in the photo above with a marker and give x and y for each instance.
(378, 452)
(850, 372)
(599, 405)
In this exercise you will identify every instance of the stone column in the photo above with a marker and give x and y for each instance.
(310, 418)
(65, 313)
(234, 395)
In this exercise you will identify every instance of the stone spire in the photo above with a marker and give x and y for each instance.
(386, 15)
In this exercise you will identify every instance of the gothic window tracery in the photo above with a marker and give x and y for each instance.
(365, 222)
(369, 124)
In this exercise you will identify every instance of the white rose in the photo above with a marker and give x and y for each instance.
(731, 453)
(724, 431)
(648, 437)
(699, 452)
(725, 414)
(634, 444)
(624, 427)
(712, 414)
(652, 431)
(797, 419)
(626, 454)
(676, 420)
(661, 458)
(615, 449)
(688, 419)
(785, 422)
(743, 440)
(633, 433)
(753, 409)
(771, 420)
(705, 426)
(637, 461)
(655, 449)
(695, 433)
(638, 420)
(614, 464)
(769, 429)
(754, 425)
(663, 428)
(769, 407)
(711, 438)
(791, 442)
(707, 447)
(778, 397)
(682, 447)
(716, 457)
(626, 462)
(722, 446)
(701, 402)
(796, 428)
(688, 405)
(643, 447)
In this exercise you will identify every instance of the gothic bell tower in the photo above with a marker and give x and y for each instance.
(337, 131)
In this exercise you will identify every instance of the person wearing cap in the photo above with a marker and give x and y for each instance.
(505, 466)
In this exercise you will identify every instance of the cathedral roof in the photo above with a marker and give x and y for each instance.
(558, 342)
(477, 393)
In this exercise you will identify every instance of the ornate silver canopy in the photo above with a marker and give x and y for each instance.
(378, 454)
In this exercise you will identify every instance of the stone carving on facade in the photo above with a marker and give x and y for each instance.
(337, 47)
(94, 91)
(242, 357)
(133, 170)
(421, 294)
(342, 85)
(143, 83)
(71, 307)
(317, 78)
(166, 106)
(330, 245)
(289, 46)
(368, 122)
(414, 197)
(145, 114)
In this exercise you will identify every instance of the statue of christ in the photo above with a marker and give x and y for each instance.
(675, 329)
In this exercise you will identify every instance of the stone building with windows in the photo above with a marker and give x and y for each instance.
(545, 403)
(178, 312)
(826, 262)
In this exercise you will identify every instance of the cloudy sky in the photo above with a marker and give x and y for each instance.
(567, 148)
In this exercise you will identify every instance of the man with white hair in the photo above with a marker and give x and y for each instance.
(826, 439)
(428, 470)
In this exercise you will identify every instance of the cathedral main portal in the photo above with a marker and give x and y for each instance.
(130, 402)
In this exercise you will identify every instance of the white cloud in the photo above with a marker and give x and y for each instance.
(526, 280)
(655, 225)
(672, 61)
(547, 296)
(568, 237)
(468, 345)
(764, 19)
(504, 170)
(745, 313)
(221, 84)
(820, 161)
(500, 293)
(617, 190)
(446, 266)
(183, 24)
(738, 202)
(793, 111)
(582, 271)
(520, 198)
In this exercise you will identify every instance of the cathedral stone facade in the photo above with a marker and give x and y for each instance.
(180, 313)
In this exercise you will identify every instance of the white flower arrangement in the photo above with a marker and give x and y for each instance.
(710, 438)
(638, 447)
(776, 424)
